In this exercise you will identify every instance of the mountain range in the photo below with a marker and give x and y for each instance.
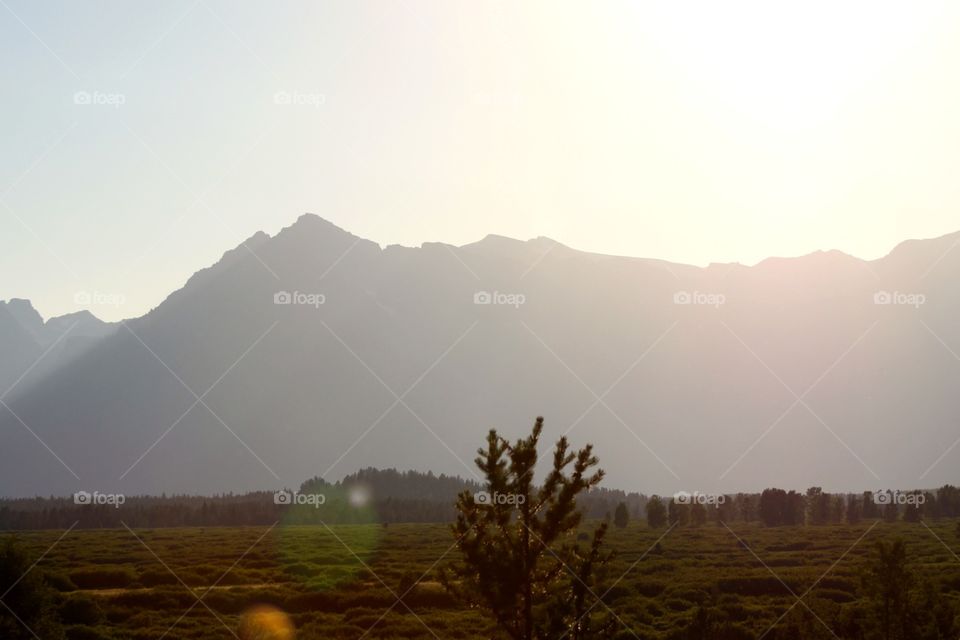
(315, 352)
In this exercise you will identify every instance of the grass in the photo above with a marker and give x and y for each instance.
(336, 582)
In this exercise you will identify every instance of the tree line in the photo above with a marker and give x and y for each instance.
(411, 496)
(776, 507)
(392, 496)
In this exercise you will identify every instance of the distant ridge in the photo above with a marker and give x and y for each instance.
(25, 337)
(683, 377)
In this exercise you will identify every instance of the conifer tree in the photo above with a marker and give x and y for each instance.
(520, 559)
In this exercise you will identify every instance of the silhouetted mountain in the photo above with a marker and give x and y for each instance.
(698, 366)
(30, 346)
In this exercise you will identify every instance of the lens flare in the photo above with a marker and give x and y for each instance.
(359, 496)
(265, 623)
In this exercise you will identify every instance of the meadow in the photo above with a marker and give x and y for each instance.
(375, 581)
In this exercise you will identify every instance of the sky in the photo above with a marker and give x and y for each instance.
(141, 140)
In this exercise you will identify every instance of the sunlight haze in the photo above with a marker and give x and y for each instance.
(692, 134)
(479, 319)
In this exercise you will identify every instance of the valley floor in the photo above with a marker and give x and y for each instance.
(345, 581)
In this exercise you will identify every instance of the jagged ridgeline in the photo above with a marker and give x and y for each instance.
(682, 341)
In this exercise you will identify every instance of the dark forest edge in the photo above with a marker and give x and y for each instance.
(415, 497)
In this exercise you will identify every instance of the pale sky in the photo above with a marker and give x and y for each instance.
(692, 132)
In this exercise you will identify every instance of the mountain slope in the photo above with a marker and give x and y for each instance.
(698, 370)
(31, 348)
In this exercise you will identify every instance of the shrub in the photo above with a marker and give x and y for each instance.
(839, 583)
(688, 593)
(430, 596)
(752, 586)
(313, 602)
(835, 595)
(615, 593)
(156, 577)
(59, 581)
(81, 610)
(156, 600)
(83, 632)
(114, 577)
(790, 546)
(224, 602)
(300, 569)
(650, 588)
(678, 604)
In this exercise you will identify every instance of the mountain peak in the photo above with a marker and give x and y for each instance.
(312, 222)
(499, 242)
(818, 258)
(24, 313)
(544, 240)
(21, 304)
(84, 315)
(496, 240)
(310, 229)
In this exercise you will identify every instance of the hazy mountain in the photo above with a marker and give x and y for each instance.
(30, 346)
(693, 387)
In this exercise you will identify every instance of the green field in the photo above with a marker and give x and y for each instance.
(343, 581)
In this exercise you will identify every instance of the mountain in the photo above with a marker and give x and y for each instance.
(30, 346)
(817, 370)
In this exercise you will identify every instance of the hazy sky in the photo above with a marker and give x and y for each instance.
(694, 132)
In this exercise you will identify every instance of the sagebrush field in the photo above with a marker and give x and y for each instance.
(343, 581)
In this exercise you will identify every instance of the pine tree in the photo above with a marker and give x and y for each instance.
(620, 517)
(887, 582)
(656, 512)
(854, 509)
(678, 513)
(520, 558)
(698, 514)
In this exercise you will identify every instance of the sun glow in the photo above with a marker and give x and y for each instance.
(696, 133)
